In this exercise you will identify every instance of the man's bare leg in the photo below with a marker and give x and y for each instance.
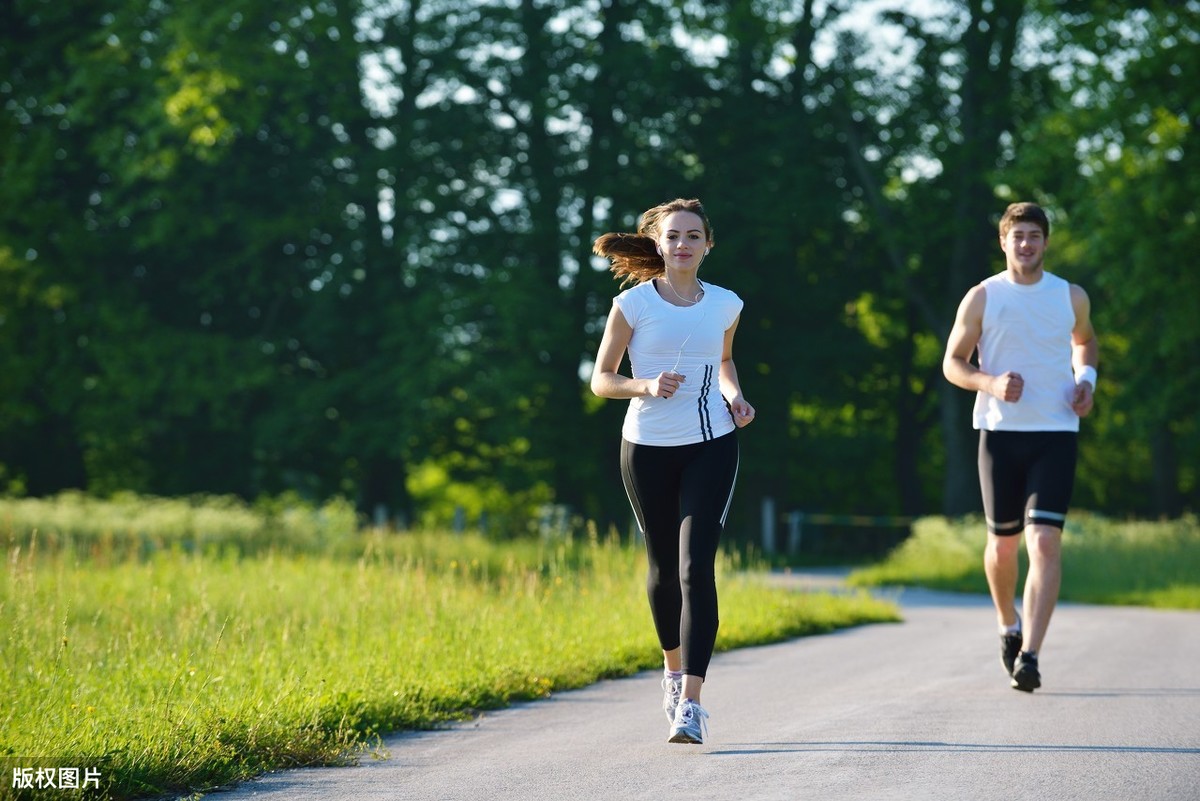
(1002, 568)
(1044, 544)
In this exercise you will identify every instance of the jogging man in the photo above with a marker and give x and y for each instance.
(1037, 371)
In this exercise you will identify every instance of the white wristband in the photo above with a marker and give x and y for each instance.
(1086, 373)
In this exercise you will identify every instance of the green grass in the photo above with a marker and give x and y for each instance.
(198, 661)
(133, 526)
(1154, 564)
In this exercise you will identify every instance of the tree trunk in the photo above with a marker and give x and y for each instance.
(384, 485)
(1168, 502)
(961, 488)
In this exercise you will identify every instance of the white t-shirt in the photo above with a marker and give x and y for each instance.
(1027, 329)
(690, 341)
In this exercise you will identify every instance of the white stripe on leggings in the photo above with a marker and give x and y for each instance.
(729, 500)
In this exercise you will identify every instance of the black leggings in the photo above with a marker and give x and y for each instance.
(681, 497)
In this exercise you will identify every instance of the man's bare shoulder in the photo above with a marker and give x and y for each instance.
(974, 301)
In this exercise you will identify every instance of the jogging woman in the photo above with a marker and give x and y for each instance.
(679, 452)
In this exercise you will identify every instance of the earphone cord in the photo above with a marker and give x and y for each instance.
(682, 345)
(681, 297)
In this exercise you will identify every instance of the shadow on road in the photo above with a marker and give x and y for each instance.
(1132, 692)
(917, 745)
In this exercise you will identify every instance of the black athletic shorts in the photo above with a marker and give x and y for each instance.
(1026, 477)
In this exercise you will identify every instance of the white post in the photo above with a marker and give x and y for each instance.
(768, 525)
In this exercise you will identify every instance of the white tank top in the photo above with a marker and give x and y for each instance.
(1027, 329)
(688, 340)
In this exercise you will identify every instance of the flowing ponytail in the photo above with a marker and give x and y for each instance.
(634, 257)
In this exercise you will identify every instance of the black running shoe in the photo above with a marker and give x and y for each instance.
(1025, 676)
(1010, 646)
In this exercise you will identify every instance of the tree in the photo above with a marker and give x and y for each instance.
(343, 247)
(1126, 202)
(946, 118)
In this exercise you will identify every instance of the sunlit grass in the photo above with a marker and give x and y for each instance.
(1104, 561)
(130, 525)
(183, 667)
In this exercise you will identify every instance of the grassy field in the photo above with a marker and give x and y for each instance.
(182, 645)
(1104, 561)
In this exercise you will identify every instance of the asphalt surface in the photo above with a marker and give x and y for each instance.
(917, 710)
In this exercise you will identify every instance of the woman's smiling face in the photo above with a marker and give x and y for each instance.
(682, 239)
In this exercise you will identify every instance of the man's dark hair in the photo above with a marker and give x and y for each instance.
(1024, 212)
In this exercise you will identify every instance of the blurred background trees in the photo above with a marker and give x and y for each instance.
(343, 247)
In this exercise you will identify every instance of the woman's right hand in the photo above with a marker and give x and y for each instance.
(665, 385)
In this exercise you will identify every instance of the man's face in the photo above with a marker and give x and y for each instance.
(1024, 245)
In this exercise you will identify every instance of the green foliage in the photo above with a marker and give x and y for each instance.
(179, 671)
(483, 503)
(939, 553)
(1104, 561)
(254, 247)
(1129, 218)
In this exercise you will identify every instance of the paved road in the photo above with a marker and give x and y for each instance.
(918, 710)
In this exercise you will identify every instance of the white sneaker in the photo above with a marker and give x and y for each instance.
(690, 724)
(672, 690)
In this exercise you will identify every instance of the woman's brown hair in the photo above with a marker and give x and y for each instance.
(634, 257)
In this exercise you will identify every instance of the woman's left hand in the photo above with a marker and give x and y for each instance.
(743, 412)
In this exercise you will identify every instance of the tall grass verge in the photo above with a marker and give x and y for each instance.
(1154, 564)
(128, 525)
(179, 668)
